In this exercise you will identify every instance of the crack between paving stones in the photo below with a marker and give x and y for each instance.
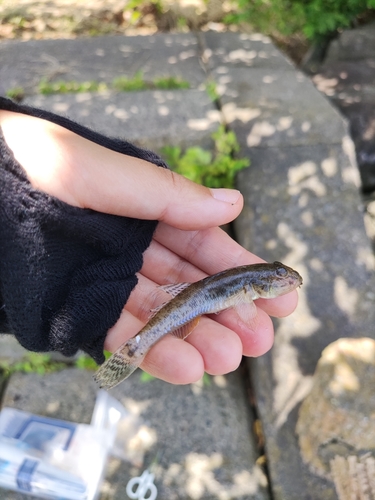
(253, 409)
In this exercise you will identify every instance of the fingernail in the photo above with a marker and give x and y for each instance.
(228, 195)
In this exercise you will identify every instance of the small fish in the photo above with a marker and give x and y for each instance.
(237, 287)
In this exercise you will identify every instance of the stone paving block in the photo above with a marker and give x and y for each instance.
(302, 207)
(243, 50)
(347, 77)
(203, 432)
(25, 64)
(10, 349)
(151, 119)
(348, 81)
(268, 108)
(353, 44)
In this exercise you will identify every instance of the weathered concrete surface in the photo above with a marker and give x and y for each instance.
(302, 207)
(10, 349)
(25, 64)
(250, 50)
(202, 432)
(268, 107)
(347, 77)
(308, 217)
(152, 119)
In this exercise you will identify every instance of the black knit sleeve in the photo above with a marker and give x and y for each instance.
(65, 272)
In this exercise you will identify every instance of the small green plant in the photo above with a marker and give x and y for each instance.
(211, 90)
(217, 169)
(125, 84)
(42, 363)
(136, 8)
(137, 82)
(85, 362)
(16, 93)
(62, 87)
(121, 84)
(33, 363)
(206, 380)
(146, 377)
(170, 83)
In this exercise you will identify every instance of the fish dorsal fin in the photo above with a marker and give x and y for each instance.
(185, 330)
(174, 290)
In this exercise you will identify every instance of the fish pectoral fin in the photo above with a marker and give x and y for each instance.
(174, 290)
(246, 311)
(156, 309)
(184, 331)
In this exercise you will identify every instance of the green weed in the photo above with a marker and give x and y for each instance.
(170, 83)
(146, 377)
(85, 362)
(121, 84)
(16, 93)
(61, 87)
(212, 169)
(33, 363)
(125, 84)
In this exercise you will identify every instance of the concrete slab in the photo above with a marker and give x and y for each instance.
(10, 349)
(202, 432)
(353, 44)
(151, 119)
(347, 78)
(348, 81)
(243, 50)
(25, 64)
(268, 108)
(302, 207)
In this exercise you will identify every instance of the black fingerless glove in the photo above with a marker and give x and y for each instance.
(65, 272)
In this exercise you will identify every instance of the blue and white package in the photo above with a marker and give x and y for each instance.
(55, 459)
(21, 471)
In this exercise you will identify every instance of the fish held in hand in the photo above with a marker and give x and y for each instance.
(231, 288)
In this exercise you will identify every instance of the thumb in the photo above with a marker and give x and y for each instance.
(85, 174)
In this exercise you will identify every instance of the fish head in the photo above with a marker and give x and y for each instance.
(276, 279)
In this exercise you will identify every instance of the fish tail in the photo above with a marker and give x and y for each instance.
(116, 369)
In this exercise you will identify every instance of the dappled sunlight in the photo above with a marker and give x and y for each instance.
(200, 471)
(329, 167)
(350, 173)
(119, 113)
(197, 474)
(258, 131)
(232, 112)
(200, 481)
(325, 85)
(346, 298)
(291, 386)
(344, 379)
(245, 56)
(304, 177)
(262, 129)
(211, 119)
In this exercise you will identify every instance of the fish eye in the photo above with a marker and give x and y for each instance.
(281, 271)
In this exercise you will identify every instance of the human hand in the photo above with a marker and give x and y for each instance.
(187, 244)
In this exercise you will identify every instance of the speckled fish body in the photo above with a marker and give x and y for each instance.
(179, 316)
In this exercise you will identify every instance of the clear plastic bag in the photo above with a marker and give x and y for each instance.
(56, 459)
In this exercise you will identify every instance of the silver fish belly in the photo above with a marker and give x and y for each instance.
(190, 301)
